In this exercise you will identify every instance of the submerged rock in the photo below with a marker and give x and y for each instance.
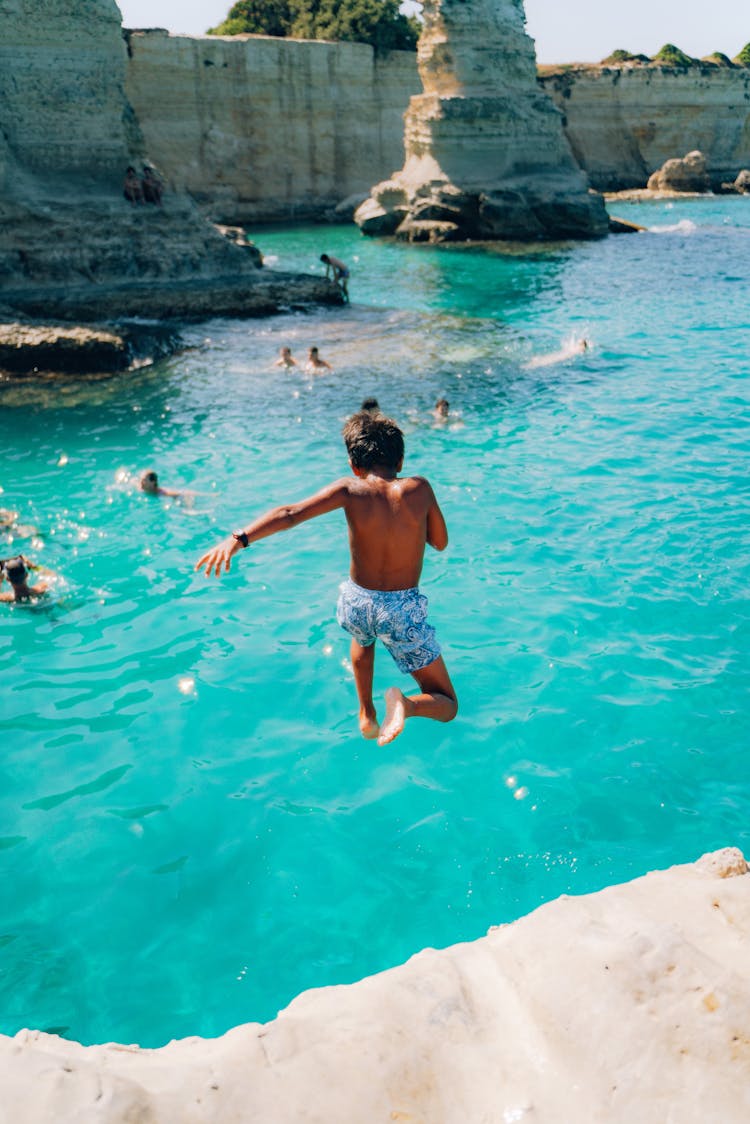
(486, 156)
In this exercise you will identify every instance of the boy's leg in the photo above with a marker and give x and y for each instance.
(437, 700)
(363, 665)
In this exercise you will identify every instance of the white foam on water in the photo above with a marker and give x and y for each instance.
(684, 226)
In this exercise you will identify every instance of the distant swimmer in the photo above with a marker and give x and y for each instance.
(286, 359)
(571, 349)
(391, 519)
(16, 570)
(441, 410)
(9, 523)
(340, 273)
(149, 483)
(370, 406)
(315, 364)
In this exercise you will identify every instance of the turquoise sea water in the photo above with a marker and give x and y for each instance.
(191, 829)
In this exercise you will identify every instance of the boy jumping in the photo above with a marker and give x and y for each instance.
(390, 519)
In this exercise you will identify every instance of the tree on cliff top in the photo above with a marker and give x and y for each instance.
(743, 58)
(377, 22)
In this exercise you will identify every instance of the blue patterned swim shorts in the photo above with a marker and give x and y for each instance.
(398, 617)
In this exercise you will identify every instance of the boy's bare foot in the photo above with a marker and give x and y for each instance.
(395, 716)
(369, 727)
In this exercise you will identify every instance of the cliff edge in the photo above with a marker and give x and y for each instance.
(629, 1004)
(71, 244)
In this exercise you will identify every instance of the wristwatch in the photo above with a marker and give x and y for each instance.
(241, 536)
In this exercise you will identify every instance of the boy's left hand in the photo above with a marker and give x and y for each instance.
(219, 556)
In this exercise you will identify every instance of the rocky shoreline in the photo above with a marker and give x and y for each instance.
(112, 328)
(628, 1004)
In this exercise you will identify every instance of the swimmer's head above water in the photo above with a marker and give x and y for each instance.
(15, 570)
(150, 482)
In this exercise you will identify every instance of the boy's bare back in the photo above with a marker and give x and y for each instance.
(390, 521)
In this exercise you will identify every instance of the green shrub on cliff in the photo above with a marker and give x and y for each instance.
(377, 22)
(670, 55)
(619, 56)
(743, 58)
(718, 58)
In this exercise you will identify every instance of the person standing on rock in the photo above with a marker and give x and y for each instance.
(340, 273)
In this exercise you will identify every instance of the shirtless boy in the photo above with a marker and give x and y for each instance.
(315, 362)
(286, 359)
(16, 570)
(340, 272)
(391, 519)
(149, 483)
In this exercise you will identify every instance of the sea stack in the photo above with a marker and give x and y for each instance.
(486, 156)
(71, 245)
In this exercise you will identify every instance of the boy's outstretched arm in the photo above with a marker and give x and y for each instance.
(277, 519)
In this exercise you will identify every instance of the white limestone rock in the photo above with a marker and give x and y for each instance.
(623, 122)
(632, 1004)
(688, 174)
(70, 243)
(485, 149)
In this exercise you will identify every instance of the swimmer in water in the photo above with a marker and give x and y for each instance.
(315, 364)
(575, 347)
(370, 406)
(286, 359)
(9, 523)
(16, 570)
(149, 483)
(440, 411)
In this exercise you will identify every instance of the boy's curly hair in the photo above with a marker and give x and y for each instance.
(373, 441)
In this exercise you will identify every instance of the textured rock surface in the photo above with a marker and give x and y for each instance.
(31, 347)
(687, 173)
(257, 128)
(632, 1004)
(623, 123)
(485, 151)
(67, 133)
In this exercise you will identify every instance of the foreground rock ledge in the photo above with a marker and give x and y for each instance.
(632, 1004)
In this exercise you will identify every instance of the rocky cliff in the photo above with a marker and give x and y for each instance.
(485, 152)
(70, 244)
(257, 128)
(632, 1004)
(624, 122)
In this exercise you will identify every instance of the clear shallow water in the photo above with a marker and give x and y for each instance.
(191, 829)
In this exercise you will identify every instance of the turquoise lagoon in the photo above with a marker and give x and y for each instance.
(191, 830)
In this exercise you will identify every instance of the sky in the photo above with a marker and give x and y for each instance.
(564, 30)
